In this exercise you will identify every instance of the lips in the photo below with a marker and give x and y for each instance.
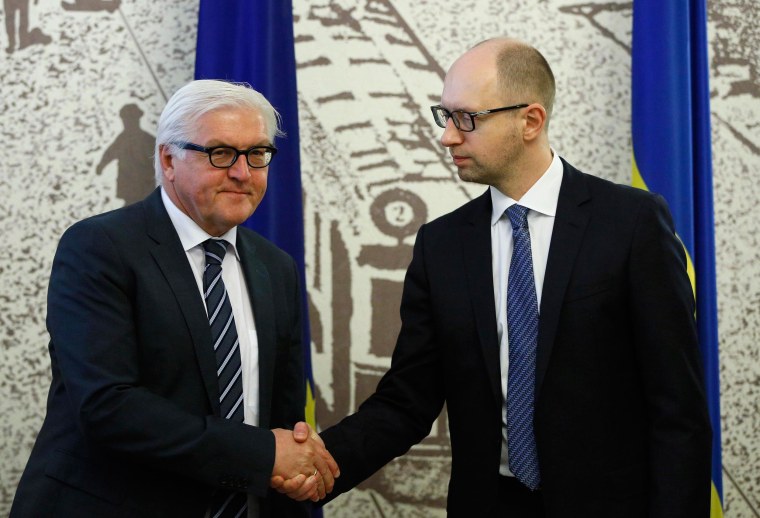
(459, 159)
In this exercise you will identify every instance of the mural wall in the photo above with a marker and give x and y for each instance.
(83, 83)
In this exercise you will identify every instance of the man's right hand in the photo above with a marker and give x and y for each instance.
(303, 468)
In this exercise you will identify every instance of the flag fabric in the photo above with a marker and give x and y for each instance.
(672, 156)
(252, 41)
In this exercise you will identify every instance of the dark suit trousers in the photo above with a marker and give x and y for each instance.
(517, 501)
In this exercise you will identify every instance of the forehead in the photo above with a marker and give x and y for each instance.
(471, 82)
(236, 126)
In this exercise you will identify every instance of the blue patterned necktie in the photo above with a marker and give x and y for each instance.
(229, 369)
(522, 329)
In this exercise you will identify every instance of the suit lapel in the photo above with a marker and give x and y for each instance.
(475, 238)
(569, 226)
(260, 290)
(172, 260)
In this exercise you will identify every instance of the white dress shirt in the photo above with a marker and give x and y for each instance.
(541, 199)
(192, 237)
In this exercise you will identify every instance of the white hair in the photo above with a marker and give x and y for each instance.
(178, 121)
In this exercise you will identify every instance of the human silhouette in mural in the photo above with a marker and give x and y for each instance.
(20, 9)
(133, 149)
(92, 5)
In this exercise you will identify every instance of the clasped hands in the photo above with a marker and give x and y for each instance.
(303, 468)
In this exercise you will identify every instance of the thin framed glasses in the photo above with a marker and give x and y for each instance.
(223, 157)
(465, 121)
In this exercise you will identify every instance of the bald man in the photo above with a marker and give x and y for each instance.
(552, 315)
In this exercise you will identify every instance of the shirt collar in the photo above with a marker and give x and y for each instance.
(541, 197)
(190, 234)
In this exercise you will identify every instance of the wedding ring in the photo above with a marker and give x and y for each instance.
(315, 473)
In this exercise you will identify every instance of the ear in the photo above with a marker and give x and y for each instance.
(535, 121)
(167, 161)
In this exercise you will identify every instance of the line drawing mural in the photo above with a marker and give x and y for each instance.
(91, 5)
(388, 151)
(17, 26)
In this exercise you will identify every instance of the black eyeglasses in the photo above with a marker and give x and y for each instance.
(465, 121)
(223, 157)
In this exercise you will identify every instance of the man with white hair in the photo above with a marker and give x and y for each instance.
(175, 338)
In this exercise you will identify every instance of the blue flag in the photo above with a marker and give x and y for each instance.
(252, 41)
(672, 156)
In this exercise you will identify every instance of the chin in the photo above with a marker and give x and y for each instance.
(468, 176)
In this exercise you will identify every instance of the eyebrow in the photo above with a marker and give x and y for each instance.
(218, 143)
(457, 109)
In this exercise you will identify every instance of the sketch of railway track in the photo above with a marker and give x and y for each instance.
(369, 143)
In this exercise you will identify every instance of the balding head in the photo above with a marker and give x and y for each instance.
(522, 72)
(506, 88)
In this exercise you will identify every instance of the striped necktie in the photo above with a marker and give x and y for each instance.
(228, 367)
(522, 329)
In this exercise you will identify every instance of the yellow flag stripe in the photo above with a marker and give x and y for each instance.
(638, 181)
(716, 506)
(310, 409)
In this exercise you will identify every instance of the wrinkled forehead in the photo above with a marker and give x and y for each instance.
(212, 118)
(232, 124)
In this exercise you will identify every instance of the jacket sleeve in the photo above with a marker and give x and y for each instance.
(663, 311)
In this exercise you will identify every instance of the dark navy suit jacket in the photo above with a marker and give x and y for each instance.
(132, 426)
(620, 417)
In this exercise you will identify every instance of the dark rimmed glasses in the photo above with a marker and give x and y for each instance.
(223, 157)
(465, 121)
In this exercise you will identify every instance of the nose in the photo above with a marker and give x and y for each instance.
(239, 170)
(451, 135)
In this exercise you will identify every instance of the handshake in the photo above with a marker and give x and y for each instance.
(303, 468)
